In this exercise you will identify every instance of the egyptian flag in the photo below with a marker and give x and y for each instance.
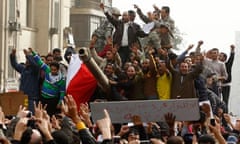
(81, 83)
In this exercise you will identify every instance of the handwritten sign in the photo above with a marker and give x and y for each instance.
(148, 110)
(11, 101)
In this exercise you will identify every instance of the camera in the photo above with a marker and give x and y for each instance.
(212, 122)
(31, 123)
(29, 115)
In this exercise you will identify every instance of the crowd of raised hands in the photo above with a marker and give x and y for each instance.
(75, 126)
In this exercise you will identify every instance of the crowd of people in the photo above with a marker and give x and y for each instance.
(139, 64)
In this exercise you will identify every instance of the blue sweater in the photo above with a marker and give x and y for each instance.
(29, 81)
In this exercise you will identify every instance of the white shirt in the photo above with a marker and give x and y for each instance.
(125, 35)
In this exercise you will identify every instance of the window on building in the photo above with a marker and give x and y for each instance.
(94, 24)
(56, 14)
(77, 3)
(12, 10)
(29, 13)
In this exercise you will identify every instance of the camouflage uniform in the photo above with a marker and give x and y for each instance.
(102, 32)
(105, 30)
(171, 23)
(153, 40)
(166, 38)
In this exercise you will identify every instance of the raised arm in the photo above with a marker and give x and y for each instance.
(232, 55)
(72, 112)
(143, 17)
(39, 61)
(198, 49)
(181, 57)
(94, 54)
(18, 67)
(140, 32)
(111, 19)
(169, 64)
(156, 9)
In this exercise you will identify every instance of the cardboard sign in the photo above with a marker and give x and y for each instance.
(11, 101)
(148, 110)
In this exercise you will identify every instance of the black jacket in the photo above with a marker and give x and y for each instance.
(134, 31)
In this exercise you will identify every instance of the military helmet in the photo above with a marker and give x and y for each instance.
(116, 11)
(165, 24)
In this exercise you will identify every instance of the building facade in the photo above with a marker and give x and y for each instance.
(234, 94)
(85, 17)
(30, 23)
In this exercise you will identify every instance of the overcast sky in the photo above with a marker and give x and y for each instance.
(213, 21)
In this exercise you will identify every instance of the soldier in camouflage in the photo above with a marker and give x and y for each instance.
(105, 30)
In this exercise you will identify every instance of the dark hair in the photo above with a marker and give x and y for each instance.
(166, 8)
(55, 64)
(206, 139)
(49, 55)
(215, 49)
(172, 56)
(131, 12)
(56, 50)
(132, 131)
(192, 54)
(122, 76)
(61, 137)
(224, 55)
(26, 136)
(175, 140)
(188, 138)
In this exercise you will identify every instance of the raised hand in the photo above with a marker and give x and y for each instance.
(93, 41)
(72, 109)
(162, 52)
(135, 6)
(155, 7)
(232, 47)
(22, 112)
(13, 52)
(55, 123)
(137, 120)
(30, 50)
(25, 52)
(105, 125)
(4, 140)
(170, 119)
(43, 125)
(84, 113)
(21, 126)
(39, 109)
(190, 47)
(2, 116)
(200, 42)
(101, 6)
(124, 129)
(109, 40)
